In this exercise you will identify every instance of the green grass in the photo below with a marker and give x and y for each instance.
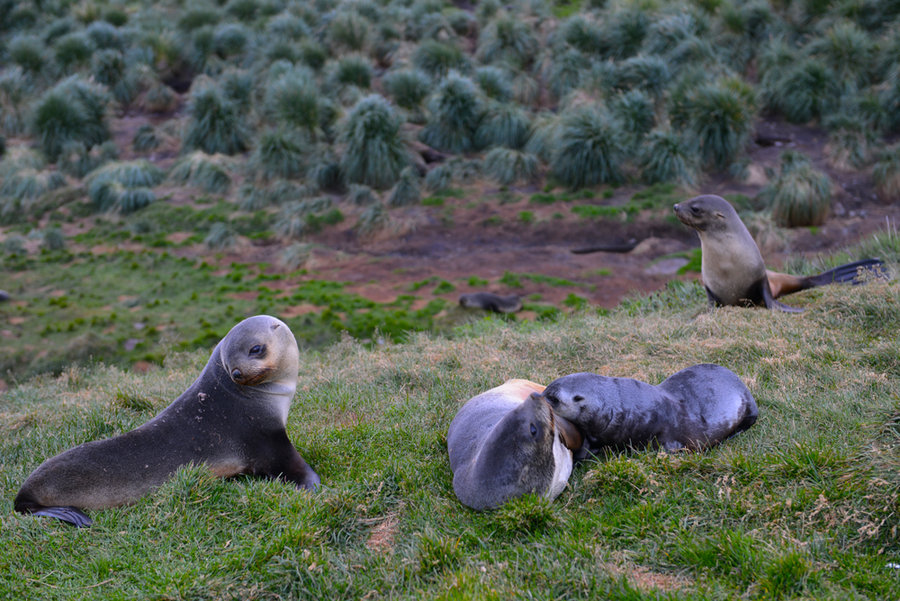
(86, 318)
(803, 504)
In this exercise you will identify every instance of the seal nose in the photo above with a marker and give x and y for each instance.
(236, 374)
(676, 208)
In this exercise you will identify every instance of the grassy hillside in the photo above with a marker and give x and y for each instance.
(803, 505)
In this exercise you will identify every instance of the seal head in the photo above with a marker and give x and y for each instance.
(505, 443)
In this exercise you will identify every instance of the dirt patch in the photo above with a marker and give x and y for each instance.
(384, 532)
(646, 580)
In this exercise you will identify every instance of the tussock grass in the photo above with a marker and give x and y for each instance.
(802, 504)
(800, 194)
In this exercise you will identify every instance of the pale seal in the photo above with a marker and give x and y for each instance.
(232, 418)
(696, 408)
(732, 267)
(505, 443)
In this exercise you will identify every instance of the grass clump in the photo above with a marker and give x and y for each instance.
(28, 52)
(589, 151)
(279, 153)
(293, 100)
(665, 156)
(123, 187)
(507, 39)
(886, 173)
(74, 110)
(408, 87)
(508, 166)
(720, 116)
(73, 49)
(216, 125)
(802, 90)
(375, 152)
(800, 195)
(455, 112)
(438, 59)
(407, 191)
(503, 124)
(209, 172)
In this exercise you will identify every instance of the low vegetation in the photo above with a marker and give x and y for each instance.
(804, 504)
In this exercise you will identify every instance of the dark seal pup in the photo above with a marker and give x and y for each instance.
(232, 418)
(488, 301)
(696, 408)
(505, 443)
(732, 267)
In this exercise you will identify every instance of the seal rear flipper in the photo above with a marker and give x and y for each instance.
(850, 272)
(69, 515)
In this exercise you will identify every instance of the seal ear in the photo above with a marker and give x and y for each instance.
(568, 433)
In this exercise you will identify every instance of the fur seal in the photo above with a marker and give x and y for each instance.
(696, 408)
(505, 443)
(491, 302)
(732, 267)
(232, 418)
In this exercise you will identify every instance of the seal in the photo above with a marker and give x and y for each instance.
(732, 268)
(489, 301)
(232, 418)
(694, 409)
(505, 443)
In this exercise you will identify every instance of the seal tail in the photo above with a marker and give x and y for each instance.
(857, 272)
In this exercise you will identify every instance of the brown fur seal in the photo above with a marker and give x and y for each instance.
(489, 301)
(505, 443)
(696, 408)
(732, 267)
(232, 418)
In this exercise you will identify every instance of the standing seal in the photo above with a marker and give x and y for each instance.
(696, 408)
(232, 418)
(505, 443)
(732, 267)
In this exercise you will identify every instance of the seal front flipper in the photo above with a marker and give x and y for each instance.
(773, 304)
(69, 515)
(712, 299)
(283, 462)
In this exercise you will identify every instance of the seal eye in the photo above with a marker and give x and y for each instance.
(533, 430)
(577, 398)
(695, 210)
(256, 349)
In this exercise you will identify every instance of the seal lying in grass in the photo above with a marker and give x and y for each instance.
(488, 301)
(232, 418)
(696, 408)
(504, 443)
(732, 267)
